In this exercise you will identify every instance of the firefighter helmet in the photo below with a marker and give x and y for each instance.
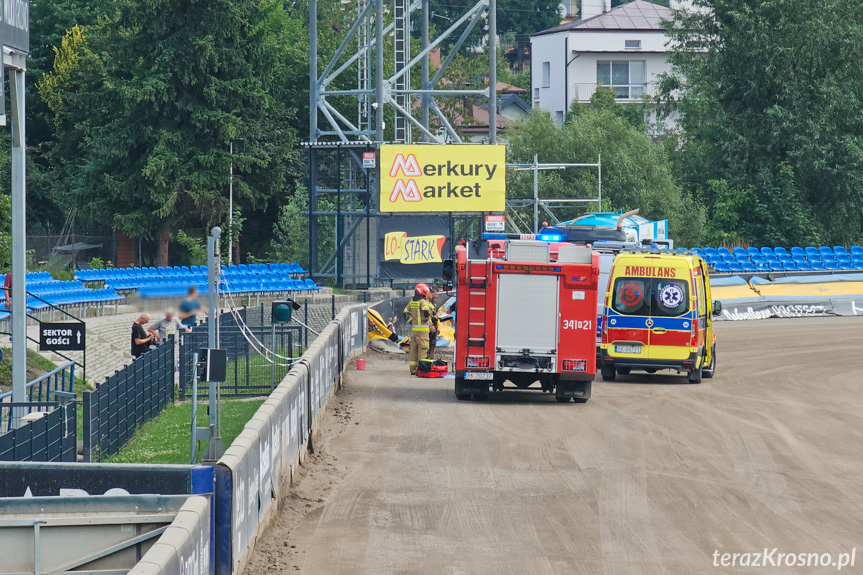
(422, 289)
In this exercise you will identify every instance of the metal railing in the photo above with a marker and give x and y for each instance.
(44, 391)
(625, 93)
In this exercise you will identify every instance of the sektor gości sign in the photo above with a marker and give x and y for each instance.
(62, 336)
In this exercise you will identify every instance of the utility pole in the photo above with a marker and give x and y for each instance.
(16, 63)
(214, 267)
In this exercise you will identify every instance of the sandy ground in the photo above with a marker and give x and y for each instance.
(652, 475)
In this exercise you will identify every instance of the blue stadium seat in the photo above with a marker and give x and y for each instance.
(762, 265)
(843, 258)
(798, 258)
(723, 251)
(803, 265)
(831, 265)
(767, 252)
(756, 257)
(748, 267)
(233, 269)
(310, 284)
(735, 267)
(857, 250)
(828, 258)
(779, 250)
(784, 257)
(797, 251)
(845, 266)
(707, 251)
(858, 265)
(741, 258)
(775, 266)
(698, 252)
(195, 269)
(298, 269)
(811, 250)
(825, 250)
(285, 269)
(728, 258)
(771, 257)
(739, 252)
(840, 250)
(753, 251)
(857, 257)
(789, 266)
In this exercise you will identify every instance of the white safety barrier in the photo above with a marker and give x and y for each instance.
(262, 459)
(184, 547)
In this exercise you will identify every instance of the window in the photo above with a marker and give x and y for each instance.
(536, 93)
(626, 78)
(650, 297)
(558, 116)
(546, 74)
(632, 44)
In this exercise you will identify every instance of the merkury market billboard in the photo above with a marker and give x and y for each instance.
(435, 178)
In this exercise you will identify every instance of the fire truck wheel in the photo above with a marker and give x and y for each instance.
(608, 373)
(579, 399)
(462, 396)
(710, 370)
(694, 376)
(623, 370)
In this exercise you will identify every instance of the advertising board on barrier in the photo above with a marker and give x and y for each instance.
(453, 178)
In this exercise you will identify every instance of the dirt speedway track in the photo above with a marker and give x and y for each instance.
(652, 475)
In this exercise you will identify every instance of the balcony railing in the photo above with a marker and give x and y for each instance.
(625, 93)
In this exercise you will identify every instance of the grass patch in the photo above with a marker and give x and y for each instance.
(167, 439)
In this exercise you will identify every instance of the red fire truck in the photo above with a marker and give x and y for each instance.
(526, 314)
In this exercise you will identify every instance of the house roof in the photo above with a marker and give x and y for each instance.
(513, 100)
(635, 16)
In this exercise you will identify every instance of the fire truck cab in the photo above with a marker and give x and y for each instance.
(526, 315)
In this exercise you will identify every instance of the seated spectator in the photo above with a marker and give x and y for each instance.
(169, 325)
(140, 340)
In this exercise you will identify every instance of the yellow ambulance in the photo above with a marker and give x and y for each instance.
(659, 315)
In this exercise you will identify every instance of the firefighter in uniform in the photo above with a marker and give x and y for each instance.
(418, 313)
(434, 330)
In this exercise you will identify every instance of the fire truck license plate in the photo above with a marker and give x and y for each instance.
(627, 349)
(479, 375)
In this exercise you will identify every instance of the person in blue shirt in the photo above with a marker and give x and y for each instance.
(190, 308)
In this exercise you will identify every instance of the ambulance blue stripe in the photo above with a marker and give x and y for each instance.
(637, 322)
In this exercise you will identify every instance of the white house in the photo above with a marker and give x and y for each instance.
(624, 49)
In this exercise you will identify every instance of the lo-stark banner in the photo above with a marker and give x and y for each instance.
(413, 246)
(443, 178)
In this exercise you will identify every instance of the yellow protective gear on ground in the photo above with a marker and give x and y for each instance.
(419, 348)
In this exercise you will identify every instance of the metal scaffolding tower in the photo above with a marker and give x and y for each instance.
(350, 178)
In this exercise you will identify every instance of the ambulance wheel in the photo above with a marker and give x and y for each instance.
(580, 399)
(462, 396)
(623, 370)
(710, 370)
(694, 376)
(608, 373)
